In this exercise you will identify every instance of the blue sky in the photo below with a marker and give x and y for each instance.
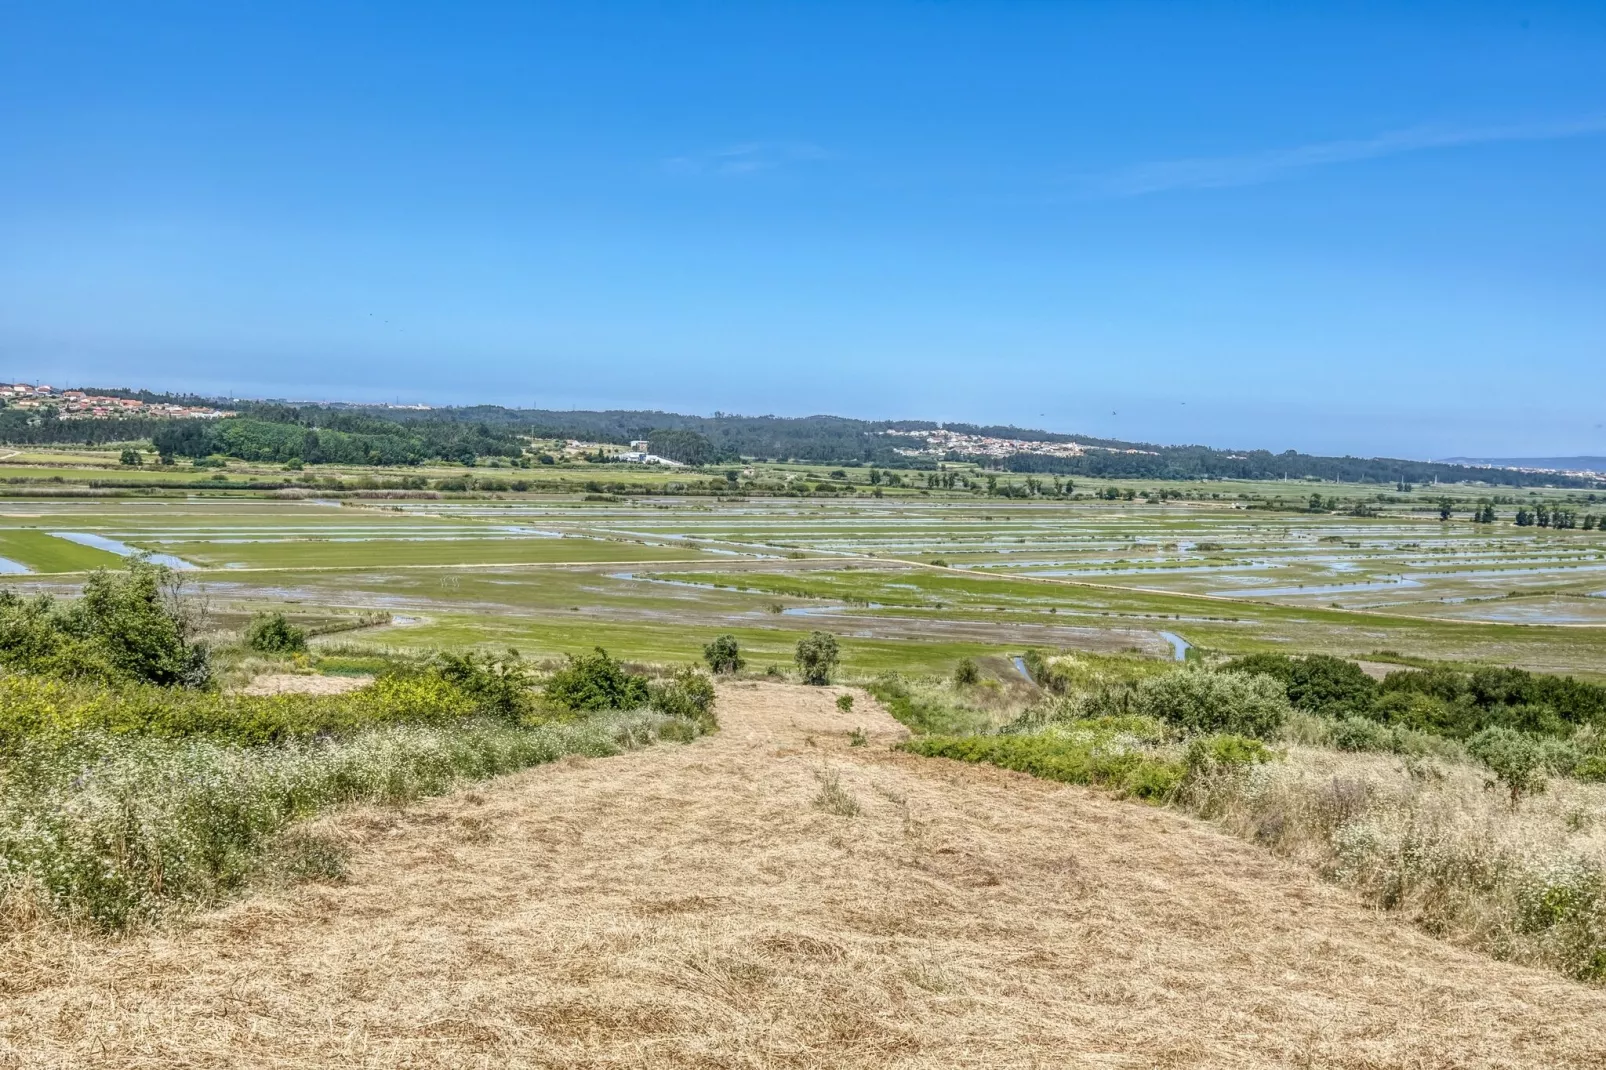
(1376, 229)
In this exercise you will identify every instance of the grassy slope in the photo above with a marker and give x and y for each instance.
(695, 903)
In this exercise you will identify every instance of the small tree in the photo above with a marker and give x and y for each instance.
(271, 633)
(1515, 758)
(723, 655)
(131, 457)
(816, 657)
(596, 682)
(966, 674)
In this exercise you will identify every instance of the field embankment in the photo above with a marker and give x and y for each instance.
(775, 896)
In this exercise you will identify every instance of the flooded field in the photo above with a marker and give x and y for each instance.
(909, 580)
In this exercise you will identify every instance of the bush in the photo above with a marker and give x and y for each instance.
(966, 674)
(689, 695)
(1196, 700)
(816, 657)
(596, 682)
(270, 633)
(1516, 759)
(133, 624)
(130, 457)
(1316, 682)
(723, 655)
(1225, 754)
(844, 703)
(498, 686)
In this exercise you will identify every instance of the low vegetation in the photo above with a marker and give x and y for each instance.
(131, 786)
(1463, 799)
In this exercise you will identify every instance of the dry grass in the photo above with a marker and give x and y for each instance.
(1438, 842)
(289, 683)
(691, 907)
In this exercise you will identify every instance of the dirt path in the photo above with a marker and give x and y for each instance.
(689, 906)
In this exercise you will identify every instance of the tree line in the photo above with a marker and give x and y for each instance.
(494, 430)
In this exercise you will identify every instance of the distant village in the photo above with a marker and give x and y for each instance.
(77, 405)
(941, 442)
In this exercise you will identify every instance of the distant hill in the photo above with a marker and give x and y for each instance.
(1552, 464)
(383, 434)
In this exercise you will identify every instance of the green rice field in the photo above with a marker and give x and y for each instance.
(913, 579)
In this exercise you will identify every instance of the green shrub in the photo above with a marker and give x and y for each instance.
(596, 682)
(271, 633)
(498, 686)
(723, 655)
(134, 624)
(966, 674)
(1315, 682)
(844, 702)
(1361, 733)
(1196, 700)
(689, 695)
(1225, 754)
(1516, 759)
(816, 657)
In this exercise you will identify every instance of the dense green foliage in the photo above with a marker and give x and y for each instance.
(129, 625)
(596, 681)
(313, 434)
(816, 657)
(498, 686)
(1200, 701)
(1316, 682)
(41, 427)
(724, 654)
(271, 633)
(1444, 701)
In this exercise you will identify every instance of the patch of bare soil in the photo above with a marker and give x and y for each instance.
(708, 905)
(289, 683)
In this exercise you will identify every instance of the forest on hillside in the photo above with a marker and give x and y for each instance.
(363, 434)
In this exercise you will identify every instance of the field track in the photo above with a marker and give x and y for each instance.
(691, 906)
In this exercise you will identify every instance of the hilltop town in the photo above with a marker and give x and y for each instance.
(941, 442)
(78, 405)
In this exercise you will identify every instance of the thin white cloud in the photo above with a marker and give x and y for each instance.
(748, 158)
(1216, 172)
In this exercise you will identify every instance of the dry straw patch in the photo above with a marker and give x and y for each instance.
(690, 906)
